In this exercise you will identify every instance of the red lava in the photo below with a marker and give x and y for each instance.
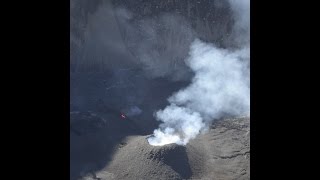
(123, 116)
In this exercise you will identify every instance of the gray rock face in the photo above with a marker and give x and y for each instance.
(155, 34)
(223, 152)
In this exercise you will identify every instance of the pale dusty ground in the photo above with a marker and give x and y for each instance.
(222, 153)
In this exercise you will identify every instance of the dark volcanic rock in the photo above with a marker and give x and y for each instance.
(111, 34)
(93, 137)
(82, 123)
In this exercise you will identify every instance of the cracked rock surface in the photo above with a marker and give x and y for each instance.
(223, 152)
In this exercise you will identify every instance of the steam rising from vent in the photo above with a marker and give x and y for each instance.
(220, 86)
(180, 125)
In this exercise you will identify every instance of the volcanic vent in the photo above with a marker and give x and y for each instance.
(136, 159)
(223, 152)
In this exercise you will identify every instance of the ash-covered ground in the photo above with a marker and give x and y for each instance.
(127, 59)
(223, 152)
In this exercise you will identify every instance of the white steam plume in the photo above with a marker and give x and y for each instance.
(221, 85)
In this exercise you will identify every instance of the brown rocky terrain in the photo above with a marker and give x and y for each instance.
(223, 152)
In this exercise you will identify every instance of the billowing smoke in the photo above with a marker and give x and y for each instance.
(220, 86)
